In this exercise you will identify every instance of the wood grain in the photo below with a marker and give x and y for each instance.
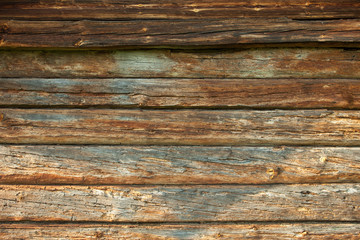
(181, 93)
(183, 231)
(180, 127)
(98, 34)
(175, 9)
(337, 202)
(246, 63)
(106, 165)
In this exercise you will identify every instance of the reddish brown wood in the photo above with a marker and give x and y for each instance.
(177, 9)
(180, 93)
(98, 34)
(181, 127)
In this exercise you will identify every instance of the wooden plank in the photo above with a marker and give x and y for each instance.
(98, 34)
(247, 63)
(181, 127)
(170, 93)
(106, 165)
(175, 9)
(336, 202)
(182, 231)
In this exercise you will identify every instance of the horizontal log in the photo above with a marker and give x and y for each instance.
(181, 127)
(175, 9)
(336, 202)
(183, 231)
(98, 34)
(219, 93)
(178, 127)
(248, 63)
(106, 165)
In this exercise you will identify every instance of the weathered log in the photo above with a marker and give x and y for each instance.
(98, 34)
(182, 231)
(180, 93)
(247, 63)
(336, 202)
(175, 9)
(106, 165)
(180, 127)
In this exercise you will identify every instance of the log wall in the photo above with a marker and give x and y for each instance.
(182, 119)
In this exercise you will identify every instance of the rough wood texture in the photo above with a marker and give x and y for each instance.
(184, 231)
(176, 165)
(255, 93)
(181, 127)
(78, 77)
(94, 34)
(337, 202)
(95, 24)
(175, 9)
(249, 63)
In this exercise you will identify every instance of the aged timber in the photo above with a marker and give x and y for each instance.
(181, 93)
(95, 34)
(176, 9)
(176, 165)
(336, 202)
(106, 165)
(180, 127)
(255, 231)
(247, 63)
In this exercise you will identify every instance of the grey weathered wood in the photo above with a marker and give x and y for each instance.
(176, 9)
(247, 63)
(337, 202)
(176, 165)
(287, 231)
(180, 127)
(258, 93)
(95, 34)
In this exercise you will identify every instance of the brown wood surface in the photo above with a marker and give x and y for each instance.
(94, 34)
(318, 231)
(202, 55)
(180, 127)
(181, 93)
(335, 202)
(92, 165)
(176, 9)
(246, 63)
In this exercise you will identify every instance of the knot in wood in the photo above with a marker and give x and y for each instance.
(5, 28)
(273, 172)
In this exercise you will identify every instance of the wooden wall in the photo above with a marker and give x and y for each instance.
(170, 119)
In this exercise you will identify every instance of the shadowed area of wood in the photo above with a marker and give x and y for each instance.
(176, 9)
